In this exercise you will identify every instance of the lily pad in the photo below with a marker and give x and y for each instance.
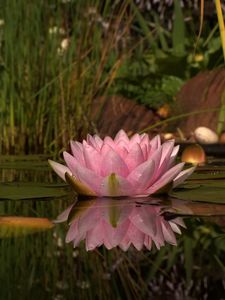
(29, 162)
(32, 190)
(206, 193)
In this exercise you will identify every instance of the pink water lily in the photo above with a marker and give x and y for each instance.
(119, 224)
(122, 166)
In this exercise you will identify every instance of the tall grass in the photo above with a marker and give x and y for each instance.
(56, 58)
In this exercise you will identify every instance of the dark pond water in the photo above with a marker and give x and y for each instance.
(56, 246)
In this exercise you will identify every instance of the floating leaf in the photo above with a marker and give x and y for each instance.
(31, 190)
(205, 193)
(14, 226)
(34, 162)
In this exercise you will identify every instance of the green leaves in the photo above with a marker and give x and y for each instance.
(207, 186)
(31, 190)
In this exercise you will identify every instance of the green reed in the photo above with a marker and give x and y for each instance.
(56, 58)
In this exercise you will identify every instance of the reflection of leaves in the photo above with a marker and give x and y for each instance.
(18, 226)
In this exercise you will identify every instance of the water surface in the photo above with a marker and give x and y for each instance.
(175, 248)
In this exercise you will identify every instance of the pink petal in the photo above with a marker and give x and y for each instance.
(173, 156)
(114, 185)
(121, 136)
(144, 219)
(142, 175)
(166, 178)
(180, 222)
(94, 142)
(72, 233)
(136, 237)
(158, 238)
(98, 140)
(77, 151)
(84, 175)
(116, 235)
(88, 220)
(122, 149)
(109, 141)
(64, 215)
(71, 162)
(148, 242)
(182, 176)
(135, 139)
(92, 159)
(60, 169)
(168, 233)
(95, 236)
(167, 149)
(126, 242)
(134, 157)
(155, 143)
(174, 227)
(123, 210)
(113, 163)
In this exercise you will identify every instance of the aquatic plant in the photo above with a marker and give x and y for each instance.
(122, 166)
(110, 223)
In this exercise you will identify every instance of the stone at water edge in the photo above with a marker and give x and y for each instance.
(205, 135)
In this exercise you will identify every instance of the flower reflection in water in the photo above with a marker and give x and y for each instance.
(119, 223)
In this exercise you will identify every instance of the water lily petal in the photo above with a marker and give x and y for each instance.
(142, 175)
(84, 175)
(71, 162)
(92, 159)
(95, 236)
(136, 138)
(121, 136)
(182, 176)
(113, 163)
(148, 242)
(88, 220)
(134, 157)
(145, 220)
(136, 237)
(167, 149)
(60, 169)
(72, 233)
(109, 141)
(114, 185)
(173, 156)
(122, 149)
(64, 215)
(77, 151)
(165, 179)
(95, 142)
(155, 143)
(174, 227)
(168, 233)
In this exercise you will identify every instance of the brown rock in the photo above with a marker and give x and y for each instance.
(202, 92)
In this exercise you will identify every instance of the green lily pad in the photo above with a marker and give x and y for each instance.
(206, 193)
(28, 162)
(32, 190)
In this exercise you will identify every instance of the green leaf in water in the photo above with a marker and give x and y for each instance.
(31, 190)
(207, 193)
